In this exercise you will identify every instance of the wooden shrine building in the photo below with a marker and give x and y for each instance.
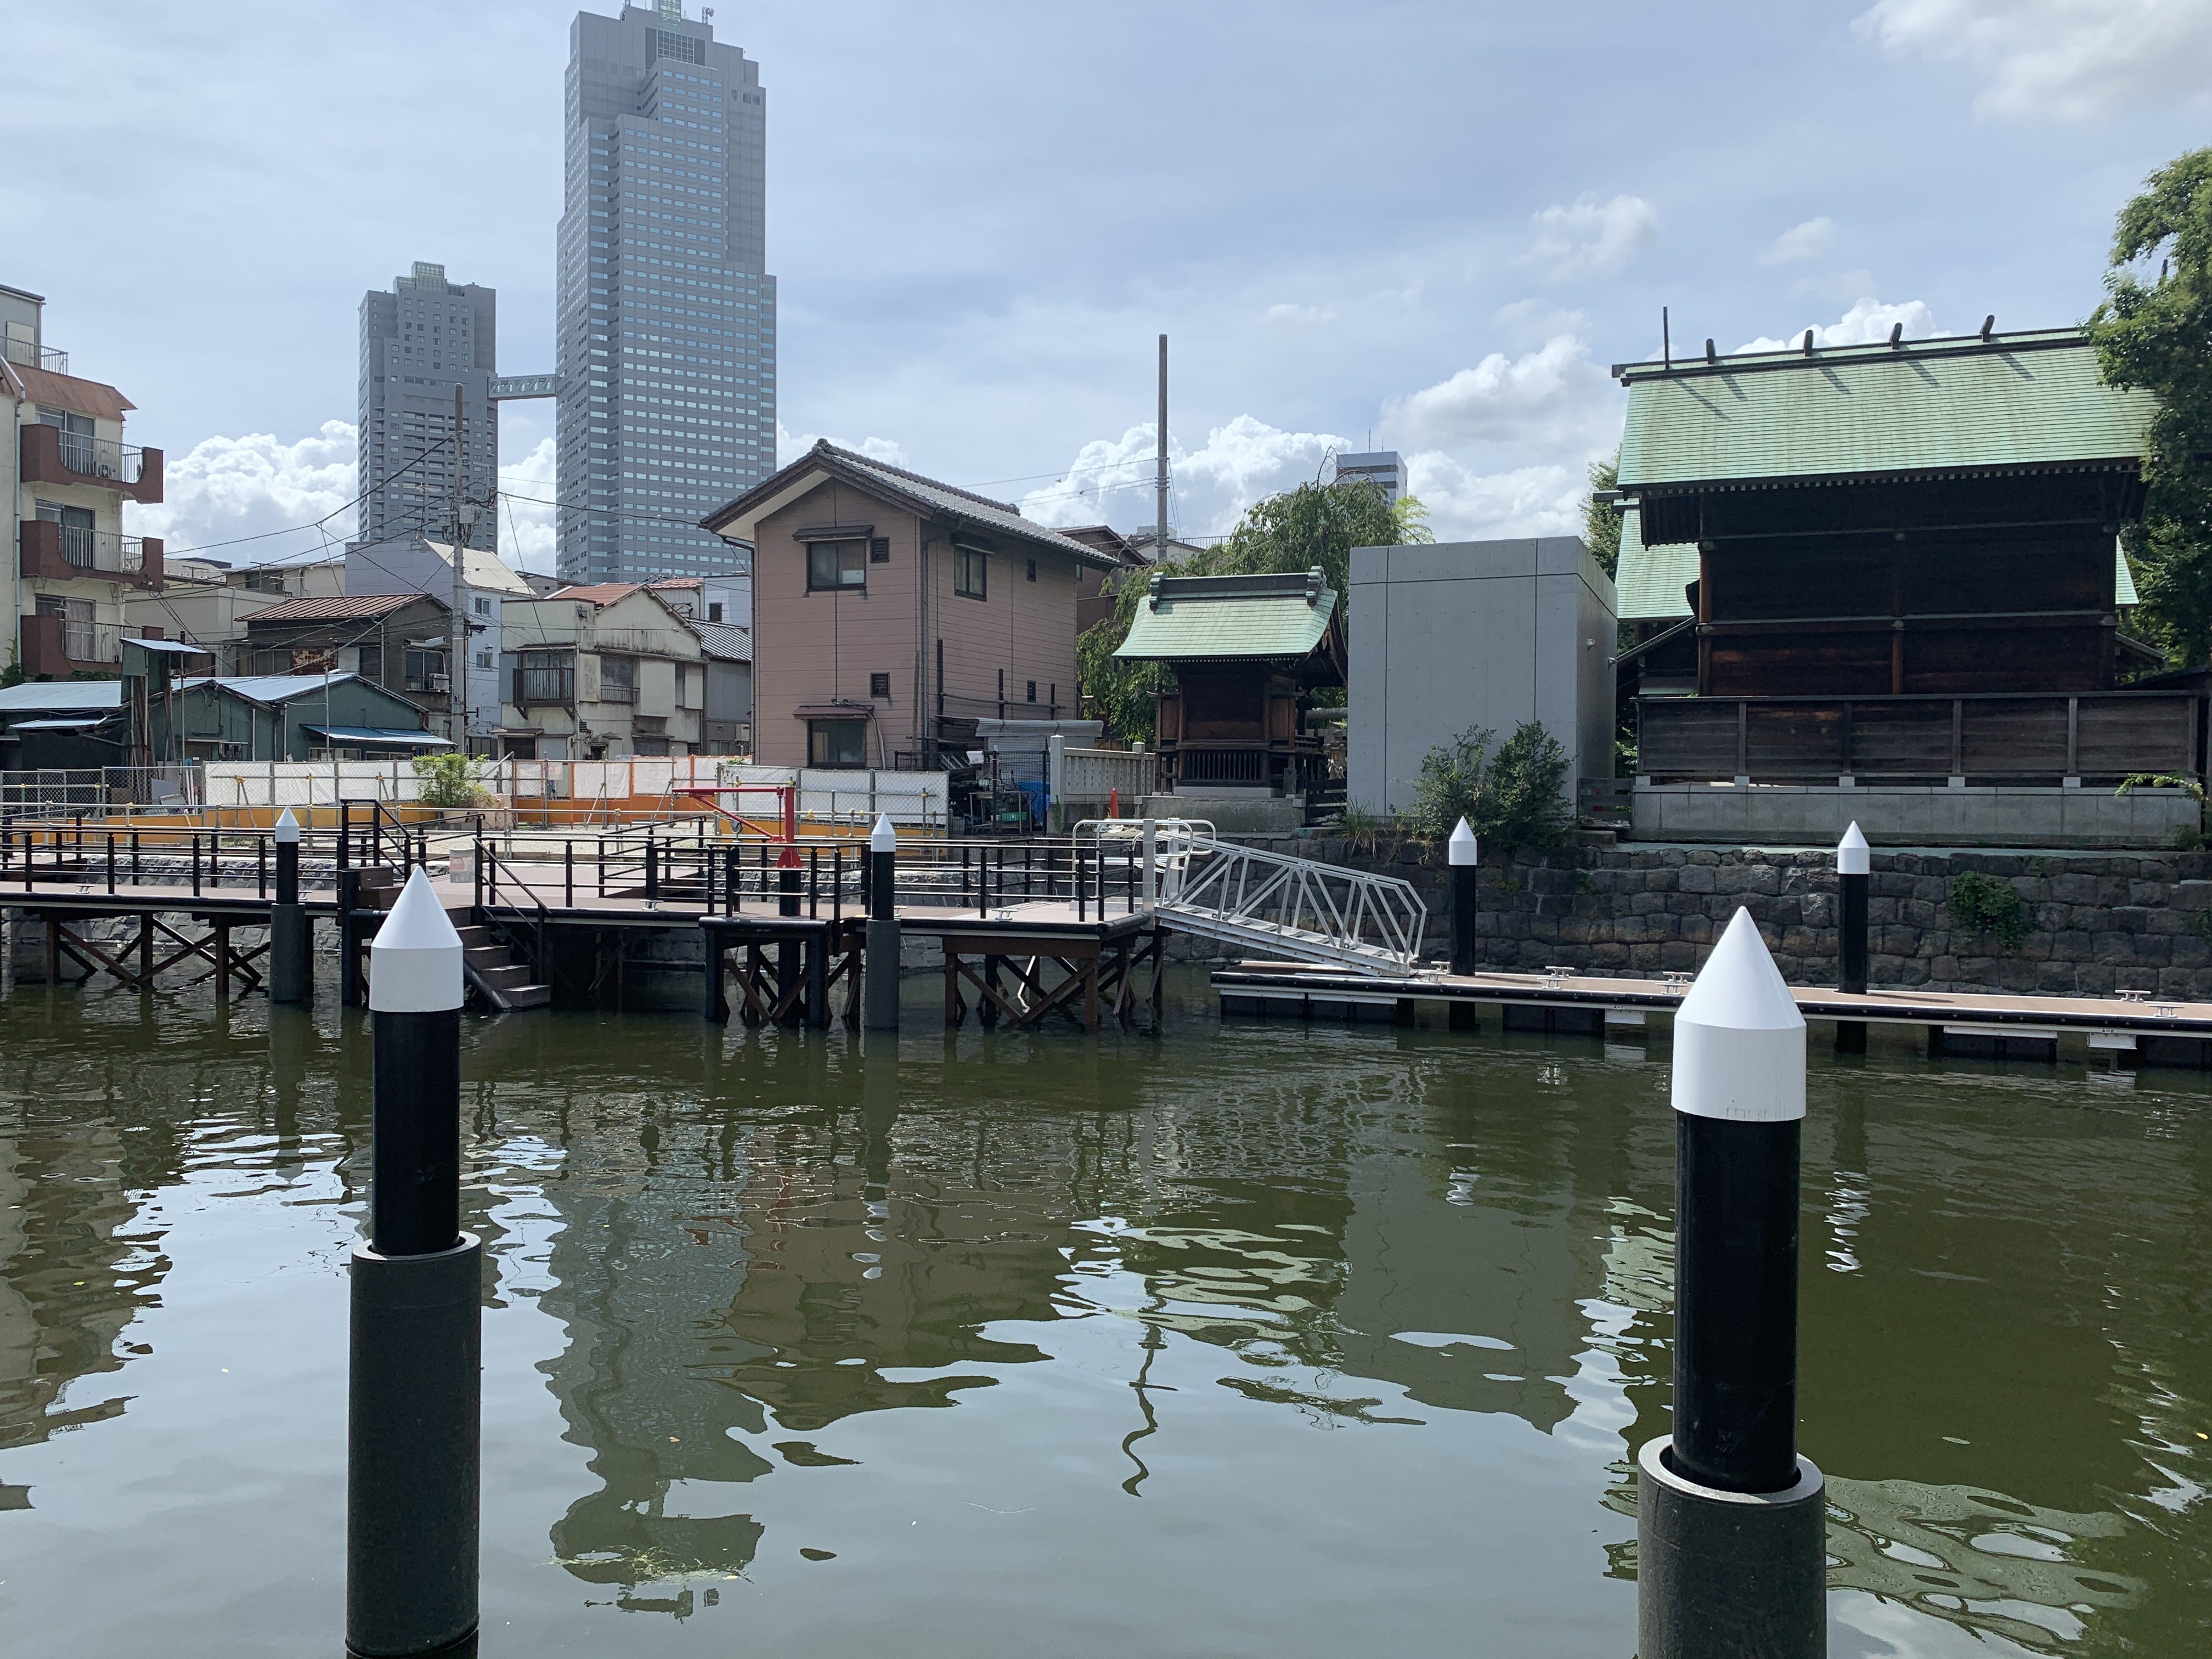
(1889, 561)
(1248, 652)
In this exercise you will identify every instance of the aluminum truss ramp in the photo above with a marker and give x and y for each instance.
(1297, 907)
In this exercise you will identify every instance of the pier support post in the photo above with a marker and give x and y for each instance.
(413, 1400)
(1461, 852)
(1730, 1521)
(1853, 865)
(291, 974)
(348, 900)
(880, 969)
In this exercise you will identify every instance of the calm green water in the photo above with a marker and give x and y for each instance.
(1242, 1340)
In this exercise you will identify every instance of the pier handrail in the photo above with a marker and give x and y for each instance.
(1298, 907)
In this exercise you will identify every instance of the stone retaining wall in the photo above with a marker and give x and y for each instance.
(2094, 923)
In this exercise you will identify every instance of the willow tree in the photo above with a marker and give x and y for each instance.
(2154, 332)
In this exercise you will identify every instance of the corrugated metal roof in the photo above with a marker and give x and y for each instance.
(269, 688)
(1650, 579)
(60, 696)
(2021, 400)
(355, 608)
(378, 736)
(1213, 617)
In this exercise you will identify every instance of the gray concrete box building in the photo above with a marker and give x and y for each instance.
(1453, 634)
(418, 342)
(667, 323)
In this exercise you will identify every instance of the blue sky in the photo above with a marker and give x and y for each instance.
(1436, 224)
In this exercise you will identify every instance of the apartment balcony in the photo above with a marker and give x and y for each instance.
(52, 456)
(31, 354)
(55, 648)
(61, 552)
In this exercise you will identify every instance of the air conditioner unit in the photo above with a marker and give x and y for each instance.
(106, 467)
(442, 682)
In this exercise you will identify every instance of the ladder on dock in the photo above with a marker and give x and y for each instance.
(1273, 903)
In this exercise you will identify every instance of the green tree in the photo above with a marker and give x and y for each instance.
(1315, 524)
(1600, 520)
(2156, 333)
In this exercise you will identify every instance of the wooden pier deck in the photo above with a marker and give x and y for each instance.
(2151, 1029)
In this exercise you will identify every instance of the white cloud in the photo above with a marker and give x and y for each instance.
(1589, 238)
(224, 489)
(1806, 241)
(1866, 322)
(528, 535)
(1243, 461)
(2068, 59)
(1551, 399)
(1465, 506)
(1287, 313)
(790, 446)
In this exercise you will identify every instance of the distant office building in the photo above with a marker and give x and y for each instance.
(1383, 466)
(666, 321)
(417, 342)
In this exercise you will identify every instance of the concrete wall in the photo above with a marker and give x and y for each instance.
(2007, 816)
(1459, 634)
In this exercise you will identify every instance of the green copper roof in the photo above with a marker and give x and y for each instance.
(2018, 400)
(1202, 619)
(1650, 579)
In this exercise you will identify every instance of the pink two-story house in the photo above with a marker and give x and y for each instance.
(890, 612)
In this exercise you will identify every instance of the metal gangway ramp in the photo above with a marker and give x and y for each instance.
(1272, 903)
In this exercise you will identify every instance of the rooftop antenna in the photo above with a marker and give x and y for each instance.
(1666, 341)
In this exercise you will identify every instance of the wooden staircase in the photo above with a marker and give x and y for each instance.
(500, 979)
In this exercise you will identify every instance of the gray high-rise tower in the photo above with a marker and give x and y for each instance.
(666, 321)
(417, 343)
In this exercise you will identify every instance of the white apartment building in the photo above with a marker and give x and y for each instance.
(601, 672)
(65, 473)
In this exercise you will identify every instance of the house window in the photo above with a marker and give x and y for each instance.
(969, 571)
(1032, 565)
(483, 606)
(832, 565)
(879, 685)
(836, 743)
(426, 669)
(544, 676)
(879, 550)
(617, 679)
(1033, 696)
(714, 611)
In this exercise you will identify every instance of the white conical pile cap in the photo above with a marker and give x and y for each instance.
(1851, 852)
(883, 838)
(288, 827)
(414, 962)
(1460, 849)
(1739, 1039)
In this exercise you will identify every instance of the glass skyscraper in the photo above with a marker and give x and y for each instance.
(418, 342)
(667, 319)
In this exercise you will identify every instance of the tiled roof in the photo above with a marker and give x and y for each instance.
(730, 643)
(1208, 618)
(358, 608)
(596, 593)
(2017, 401)
(926, 495)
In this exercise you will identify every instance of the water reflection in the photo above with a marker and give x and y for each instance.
(771, 1268)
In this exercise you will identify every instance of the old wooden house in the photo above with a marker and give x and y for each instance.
(1891, 562)
(1248, 655)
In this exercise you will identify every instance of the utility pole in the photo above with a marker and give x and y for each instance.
(457, 667)
(1160, 509)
